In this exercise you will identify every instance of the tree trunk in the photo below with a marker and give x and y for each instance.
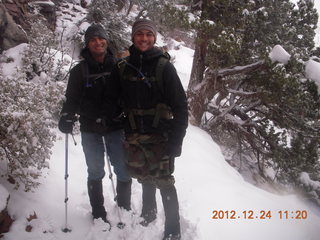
(198, 65)
(212, 82)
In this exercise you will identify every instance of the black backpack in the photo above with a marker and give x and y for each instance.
(161, 110)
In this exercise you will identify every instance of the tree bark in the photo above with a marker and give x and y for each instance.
(200, 94)
(198, 65)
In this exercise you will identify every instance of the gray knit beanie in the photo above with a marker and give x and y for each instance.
(95, 30)
(144, 24)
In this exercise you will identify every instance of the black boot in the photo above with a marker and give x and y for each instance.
(149, 204)
(96, 199)
(171, 210)
(124, 194)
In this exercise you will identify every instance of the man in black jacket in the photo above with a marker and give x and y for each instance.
(84, 96)
(155, 105)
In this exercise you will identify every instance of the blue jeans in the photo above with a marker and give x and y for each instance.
(93, 149)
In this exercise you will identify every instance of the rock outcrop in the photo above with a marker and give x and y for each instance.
(17, 15)
(11, 34)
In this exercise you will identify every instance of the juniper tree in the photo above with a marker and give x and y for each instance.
(244, 100)
(31, 99)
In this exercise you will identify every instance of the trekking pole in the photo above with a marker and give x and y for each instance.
(120, 224)
(66, 229)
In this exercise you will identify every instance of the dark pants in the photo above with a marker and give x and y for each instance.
(170, 205)
(94, 153)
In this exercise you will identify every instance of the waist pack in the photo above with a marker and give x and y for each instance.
(144, 154)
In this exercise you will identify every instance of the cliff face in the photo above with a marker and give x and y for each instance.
(15, 17)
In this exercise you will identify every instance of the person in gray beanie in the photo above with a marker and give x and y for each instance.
(84, 97)
(156, 111)
(144, 24)
(95, 30)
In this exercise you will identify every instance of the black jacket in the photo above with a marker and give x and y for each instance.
(146, 95)
(85, 93)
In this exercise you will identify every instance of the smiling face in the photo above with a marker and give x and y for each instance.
(97, 47)
(143, 40)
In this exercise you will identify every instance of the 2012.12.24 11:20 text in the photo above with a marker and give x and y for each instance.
(260, 214)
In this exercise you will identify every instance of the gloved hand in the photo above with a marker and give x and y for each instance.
(66, 122)
(172, 150)
(100, 126)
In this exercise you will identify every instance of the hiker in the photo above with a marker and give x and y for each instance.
(84, 96)
(155, 106)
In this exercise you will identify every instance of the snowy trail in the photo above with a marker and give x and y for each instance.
(205, 182)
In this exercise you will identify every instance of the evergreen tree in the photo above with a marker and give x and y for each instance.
(244, 100)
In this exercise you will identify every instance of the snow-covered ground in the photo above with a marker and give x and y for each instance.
(209, 190)
(215, 201)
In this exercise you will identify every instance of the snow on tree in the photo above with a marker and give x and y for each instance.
(32, 97)
(252, 105)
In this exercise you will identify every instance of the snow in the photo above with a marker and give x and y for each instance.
(3, 197)
(183, 62)
(49, 3)
(206, 184)
(278, 54)
(307, 181)
(313, 72)
(13, 59)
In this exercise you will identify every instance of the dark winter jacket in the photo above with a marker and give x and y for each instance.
(84, 95)
(147, 94)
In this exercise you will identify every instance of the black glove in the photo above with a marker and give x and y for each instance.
(172, 150)
(66, 122)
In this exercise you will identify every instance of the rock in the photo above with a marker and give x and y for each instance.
(18, 10)
(5, 219)
(29, 219)
(48, 10)
(10, 33)
(16, 16)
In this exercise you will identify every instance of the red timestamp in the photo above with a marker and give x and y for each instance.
(262, 214)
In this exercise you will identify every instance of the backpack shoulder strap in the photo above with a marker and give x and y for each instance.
(122, 65)
(159, 70)
(90, 78)
(85, 72)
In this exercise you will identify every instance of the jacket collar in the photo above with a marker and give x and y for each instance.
(137, 55)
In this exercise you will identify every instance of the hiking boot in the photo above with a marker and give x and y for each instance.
(124, 194)
(96, 199)
(102, 224)
(172, 237)
(148, 218)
